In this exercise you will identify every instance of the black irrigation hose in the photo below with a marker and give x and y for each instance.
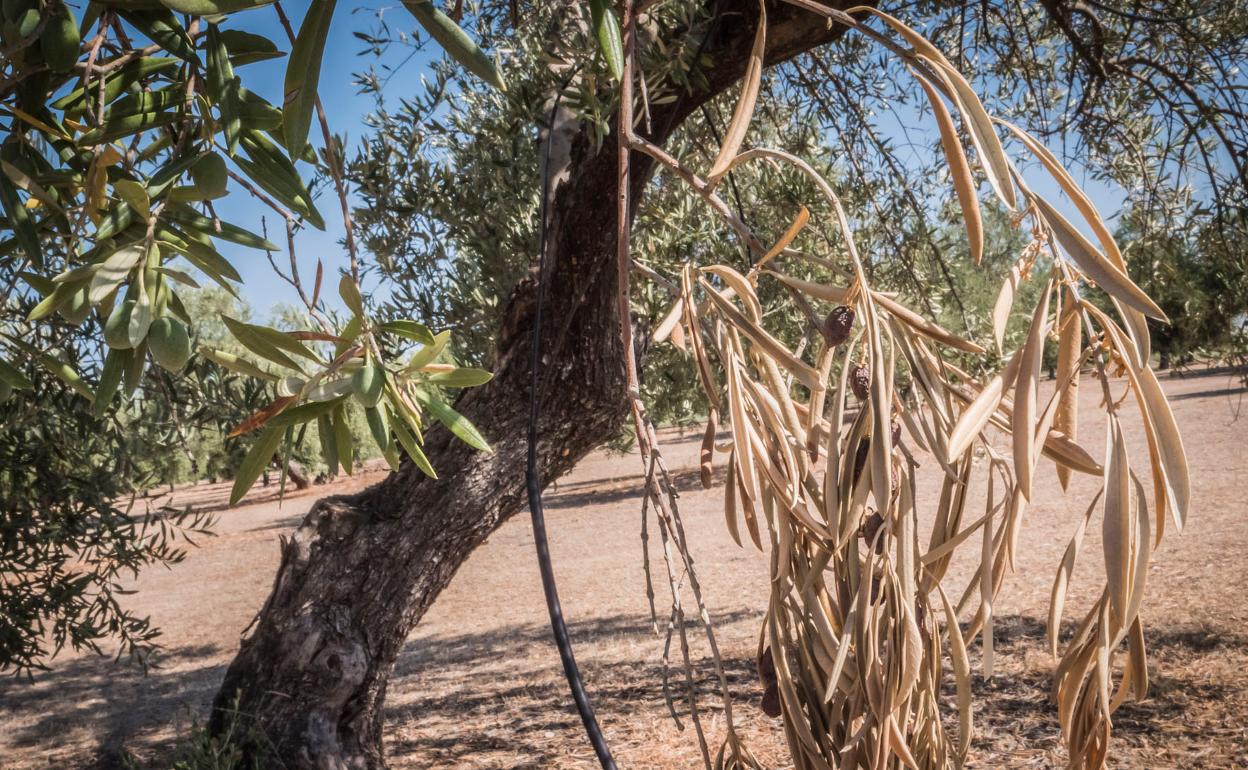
(531, 478)
(534, 484)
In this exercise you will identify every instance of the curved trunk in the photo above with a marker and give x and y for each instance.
(309, 682)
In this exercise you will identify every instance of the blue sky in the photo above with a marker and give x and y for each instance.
(347, 109)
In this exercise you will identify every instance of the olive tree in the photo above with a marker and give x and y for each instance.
(120, 139)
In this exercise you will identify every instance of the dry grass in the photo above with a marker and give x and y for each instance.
(480, 685)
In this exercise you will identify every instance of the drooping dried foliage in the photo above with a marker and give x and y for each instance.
(862, 627)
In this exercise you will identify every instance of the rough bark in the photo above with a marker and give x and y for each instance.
(309, 682)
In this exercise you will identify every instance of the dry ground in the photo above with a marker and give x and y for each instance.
(479, 685)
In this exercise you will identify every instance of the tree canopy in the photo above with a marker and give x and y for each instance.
(449, 202)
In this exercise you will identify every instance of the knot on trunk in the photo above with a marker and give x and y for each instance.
(328, 657)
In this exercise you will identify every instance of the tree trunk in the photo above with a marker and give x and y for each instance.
(295, 472)
(361, 570)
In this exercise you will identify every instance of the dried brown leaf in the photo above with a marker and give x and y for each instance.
(744, 110)
(1095, 265)
(1023, 420)
(960, 171)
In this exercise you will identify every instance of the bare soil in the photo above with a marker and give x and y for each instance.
(480, 684)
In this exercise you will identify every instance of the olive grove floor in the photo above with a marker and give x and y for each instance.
(480, 685)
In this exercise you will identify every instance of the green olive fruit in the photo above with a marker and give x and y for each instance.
(368, 382)
(210, 176)
(27, 22)
(184, 193)
(117, 327)
(169, 343)
(59, 40)
(76, 310)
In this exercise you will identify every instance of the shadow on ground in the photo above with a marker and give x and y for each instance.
(115, 699)
(489, 698)
(498, 699)
(1228, 391)
(1191, 703)
(485, 696)
(612, 490)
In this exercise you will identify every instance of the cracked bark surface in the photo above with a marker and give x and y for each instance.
(309, 681)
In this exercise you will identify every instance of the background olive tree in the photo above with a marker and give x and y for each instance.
(122, 123)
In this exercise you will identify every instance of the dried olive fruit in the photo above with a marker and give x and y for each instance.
(896, 433)
(860, 381)
(767, 668)
(838, 325)
(860, 457)
(870, 528)
(771, 701)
